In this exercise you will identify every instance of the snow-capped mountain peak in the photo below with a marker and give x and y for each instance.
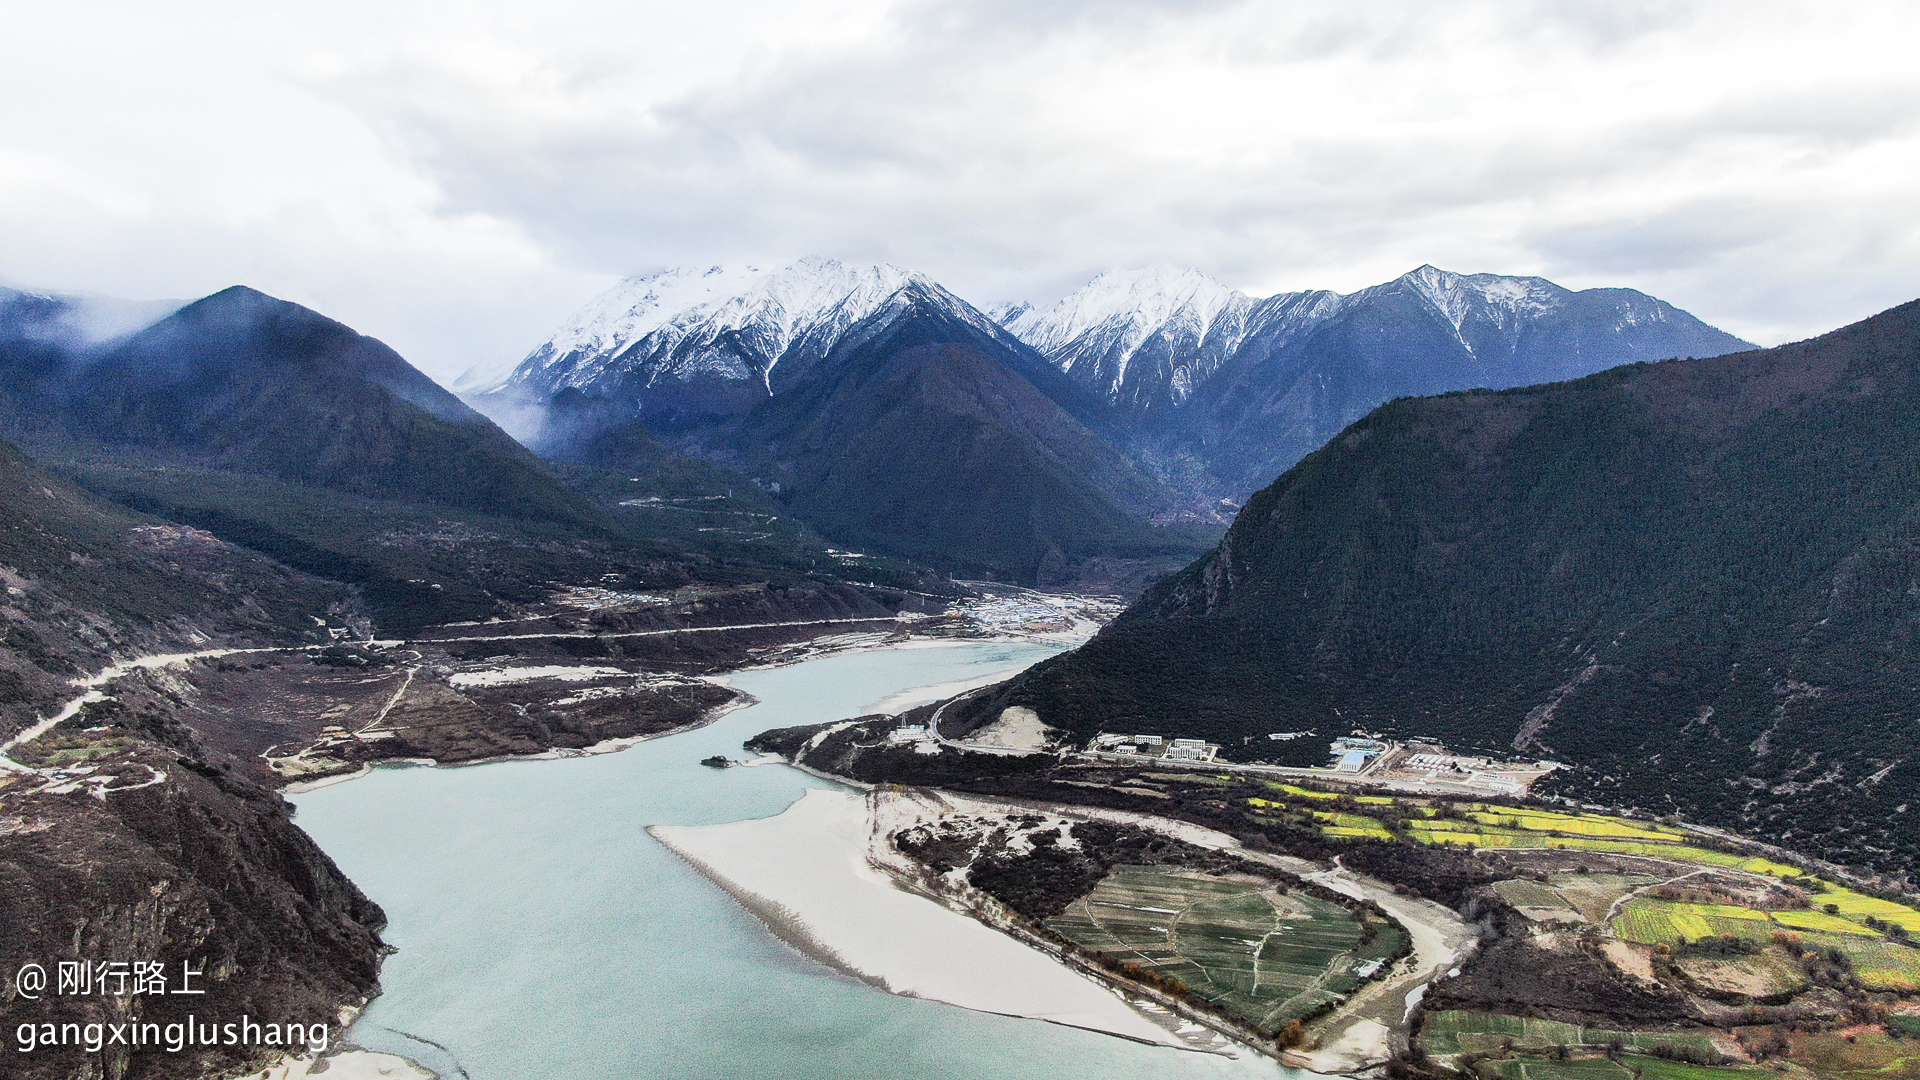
(730, 323)
(780, 301)
(1146, 340)
(1504, 300)
(1133, 302)
(1183, 320)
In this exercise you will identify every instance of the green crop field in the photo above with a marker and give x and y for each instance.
(1353, 824)
(1540, 1068)
(1858, 906)
(1820, 921)
(1461, 1031)
(1659, 922)
(1652, 1068)
(1880, 964)
(1530, 894)
(1267, 957)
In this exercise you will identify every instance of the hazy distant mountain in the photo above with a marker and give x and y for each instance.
(1228, 391)
(878, 406)
(283, 430)
(243, 382)
(1694, 580)
(70, 321)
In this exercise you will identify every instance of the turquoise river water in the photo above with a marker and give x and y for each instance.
(543, 935)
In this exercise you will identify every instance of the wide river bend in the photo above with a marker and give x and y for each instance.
(543, 935)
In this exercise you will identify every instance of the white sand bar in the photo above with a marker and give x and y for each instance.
(807, 869)
(345, 1065)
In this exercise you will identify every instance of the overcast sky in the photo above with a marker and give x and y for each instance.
(456, 178)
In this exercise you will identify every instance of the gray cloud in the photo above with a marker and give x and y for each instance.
(459, 184)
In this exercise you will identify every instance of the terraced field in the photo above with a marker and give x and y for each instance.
(1539, 1068)
(1267, 956)
(1857, 907)
(1453, 1032)
(1837, 922)
(1820, 921)
(1880, 964)
(1660, 922)
(1596, 825)
(1649, 1068)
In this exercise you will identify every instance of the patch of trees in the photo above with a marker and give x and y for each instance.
(1718, 947)
(1514, 975)
(1438, 874)
(1041, 883)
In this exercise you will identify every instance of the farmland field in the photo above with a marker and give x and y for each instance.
(1880, 964)
(1650, 1068)
(1577, 824)
(1528, 894)
(1267, 956)
(1659, 922)
(1467, 1032)
(1354, 824)
(1755, 976)
(1304, 793)
(1308, 793)
(1868, 1056)
(1539, 1068)
(1859, 906)
(1486, 835)
(1820, 920)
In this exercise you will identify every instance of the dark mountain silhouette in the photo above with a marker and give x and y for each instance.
(284, 431)
(243, 382)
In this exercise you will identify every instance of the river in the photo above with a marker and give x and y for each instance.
(543, 935)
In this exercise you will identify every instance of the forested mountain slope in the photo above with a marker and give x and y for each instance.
(1697, 581)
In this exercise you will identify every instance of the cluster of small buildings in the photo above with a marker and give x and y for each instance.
(916, 736)
(1484, 773)
(1351, 755)
(1017, 615)
(1154, 746)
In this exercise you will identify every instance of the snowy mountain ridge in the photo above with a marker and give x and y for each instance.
(1145, 339)
(1204, 387)
(725, 322)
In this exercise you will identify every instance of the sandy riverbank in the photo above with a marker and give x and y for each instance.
(805, 873)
